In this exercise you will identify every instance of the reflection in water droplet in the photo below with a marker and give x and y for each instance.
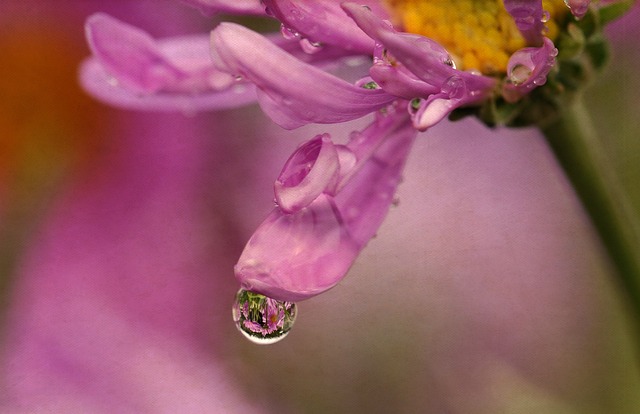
(261, 319)
(519, 74)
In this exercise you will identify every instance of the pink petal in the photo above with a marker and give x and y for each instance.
(292, 92)
(133, 70)
(102, 86)
(527, 69)
(210, 7)
(527, 15)
(311, 170)
(578, 7)
(296, 256)
(323, 21)
(425, 58)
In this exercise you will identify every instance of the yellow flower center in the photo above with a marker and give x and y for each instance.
(479, 34)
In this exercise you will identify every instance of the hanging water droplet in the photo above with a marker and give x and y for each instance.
(261, 319)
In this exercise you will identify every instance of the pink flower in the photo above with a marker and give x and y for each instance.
(331, 198)
(486, 291)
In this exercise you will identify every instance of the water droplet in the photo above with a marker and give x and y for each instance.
(449, 62)
(414, 105)
(519, 74)
(288, 33)
(454, 87)
(546, 16)
(261, 319)
(541, 80)
(366, 83)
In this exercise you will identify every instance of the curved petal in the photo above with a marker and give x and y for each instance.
(296, 256)
(424, 57)
(578, 7)
(133, 70)
(210, 7)
(398, 81)
(292, 92)
(146, 66)
(527, 15)
(323, 21)
(312, 170)
(434, 109)
(365, 199)
(528, 69)
(96, 81)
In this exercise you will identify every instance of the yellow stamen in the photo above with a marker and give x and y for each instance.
(479, 34)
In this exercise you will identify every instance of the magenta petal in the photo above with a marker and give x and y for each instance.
(578, 7)
(425, 58)
(528, 69)
(434, 109)
(323, 21)
(292, 92)
(398, 81)
(311, 170)
(365, 200)
(210, 7)
(527, 15)
(133, 70)
(102, 86)
(296, 256)
(143, 65)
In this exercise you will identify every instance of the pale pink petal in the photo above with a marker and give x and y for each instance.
(133, 70)
(312, 170)
(210, 7)
(292, 92)
(528, 69)
(299, 255)
(323, 21)
(578, 7)
(527, 15)
(425, 58)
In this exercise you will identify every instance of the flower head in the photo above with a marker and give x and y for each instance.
(511, 62)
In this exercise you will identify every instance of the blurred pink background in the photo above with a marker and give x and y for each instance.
(485, 291)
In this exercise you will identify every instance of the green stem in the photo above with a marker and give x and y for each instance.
(584, 159)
